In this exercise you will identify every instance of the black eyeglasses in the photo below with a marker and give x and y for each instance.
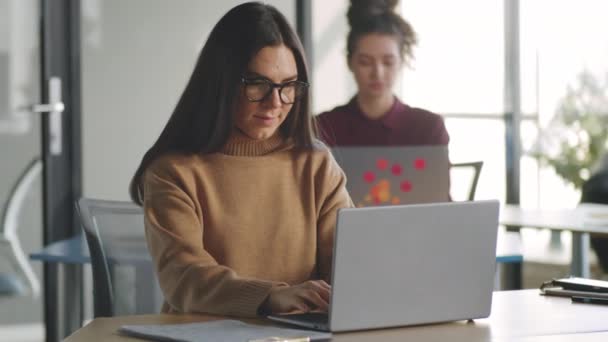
(258, 89)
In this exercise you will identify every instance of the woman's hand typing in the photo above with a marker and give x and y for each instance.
(312, 295)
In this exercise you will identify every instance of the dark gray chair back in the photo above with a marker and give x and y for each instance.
(595, 190)
(116, 238)
(475, 168)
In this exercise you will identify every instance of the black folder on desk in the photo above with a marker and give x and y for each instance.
(574, 286)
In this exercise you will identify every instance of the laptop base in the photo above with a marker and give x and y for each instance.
(310, 320)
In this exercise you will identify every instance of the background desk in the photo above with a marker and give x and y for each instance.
(575, 220)
(516, 316)
(76, 251)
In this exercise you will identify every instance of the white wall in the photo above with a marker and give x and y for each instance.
(332, 82)
(137, 57)
(19, 58)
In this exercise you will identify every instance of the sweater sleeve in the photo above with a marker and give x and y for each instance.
(190, 278)
(334, 197)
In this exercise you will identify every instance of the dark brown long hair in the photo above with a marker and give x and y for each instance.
(378, 16)
(204, 116)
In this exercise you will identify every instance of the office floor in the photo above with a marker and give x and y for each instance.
(546, 256)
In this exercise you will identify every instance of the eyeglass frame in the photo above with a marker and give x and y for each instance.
(245, 81)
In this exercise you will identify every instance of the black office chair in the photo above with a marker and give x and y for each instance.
(475, 168)
(115, 235)
(595, 190)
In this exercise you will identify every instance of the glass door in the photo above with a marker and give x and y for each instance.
(20, 169)
(40, 161)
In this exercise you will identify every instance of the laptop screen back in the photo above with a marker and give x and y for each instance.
(396, 174)
(414, 264)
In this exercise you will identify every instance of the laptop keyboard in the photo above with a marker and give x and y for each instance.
(312, 317)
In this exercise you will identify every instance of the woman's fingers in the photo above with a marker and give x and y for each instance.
(314, 299)
(322, 288)
(324, 284)
(310, 295)
(322, 291)
(301, 306)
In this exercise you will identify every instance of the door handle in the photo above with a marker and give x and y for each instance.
(55, 108)
(47, 107)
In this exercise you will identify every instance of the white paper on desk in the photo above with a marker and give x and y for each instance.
(215, 331)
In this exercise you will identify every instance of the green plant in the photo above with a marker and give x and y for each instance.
(577, 136)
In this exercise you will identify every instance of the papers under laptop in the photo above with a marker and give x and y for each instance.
(410, 264)
(390, 175)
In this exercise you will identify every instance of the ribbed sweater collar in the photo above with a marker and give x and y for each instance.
(239, 144)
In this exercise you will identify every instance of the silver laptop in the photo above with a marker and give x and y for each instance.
(392, 175)
(409, 264)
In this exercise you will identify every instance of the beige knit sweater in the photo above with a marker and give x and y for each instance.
(224, 228)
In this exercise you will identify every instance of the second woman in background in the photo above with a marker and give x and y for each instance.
(379, 44)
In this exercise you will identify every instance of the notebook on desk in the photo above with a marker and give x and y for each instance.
(390, 175)
(220, 331)
(409, 264)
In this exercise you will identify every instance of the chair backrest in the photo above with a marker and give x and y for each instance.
(24, 279)
(115, 235)
(595, 190)
(472, 168)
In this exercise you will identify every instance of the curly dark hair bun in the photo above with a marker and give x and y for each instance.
(362, 10)
(379, 16)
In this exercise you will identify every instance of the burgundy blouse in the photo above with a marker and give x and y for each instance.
(402, 125)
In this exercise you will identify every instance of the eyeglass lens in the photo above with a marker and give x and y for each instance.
(258, 90)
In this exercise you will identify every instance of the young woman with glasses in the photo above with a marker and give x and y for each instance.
(378, 46)
(240, 199)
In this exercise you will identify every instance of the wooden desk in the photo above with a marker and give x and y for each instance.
(580, 221)
(583, 337)
(75, 252)
(516, 316)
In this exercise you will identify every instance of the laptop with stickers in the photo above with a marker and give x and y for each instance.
(391, 175)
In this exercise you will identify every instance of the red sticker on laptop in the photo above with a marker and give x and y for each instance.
(382, 164)
(396, 169)
(420, 164)
(369, 176)
(406, 186)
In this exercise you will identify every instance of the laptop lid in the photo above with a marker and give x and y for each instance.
(389, 175)
(415, 264)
